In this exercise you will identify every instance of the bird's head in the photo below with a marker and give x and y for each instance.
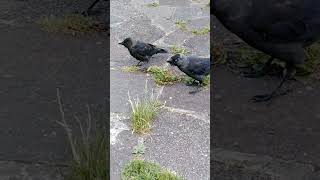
(126, 42)
(174, 60)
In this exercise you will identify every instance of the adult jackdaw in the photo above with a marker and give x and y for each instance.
(195, 67)
(280, 28)
(140, 50)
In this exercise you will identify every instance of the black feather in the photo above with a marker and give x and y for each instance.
(140, 50)
(195, 67)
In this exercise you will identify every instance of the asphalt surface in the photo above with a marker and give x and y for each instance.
(284, 130)
(33, 64)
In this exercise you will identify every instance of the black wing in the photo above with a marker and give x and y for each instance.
(144, 49)
(199, 66)
(286, 20)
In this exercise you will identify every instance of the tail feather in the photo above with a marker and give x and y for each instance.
(159, 50)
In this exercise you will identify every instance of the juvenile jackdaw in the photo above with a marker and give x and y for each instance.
(140, 50)
(195, 67)
(280, 28)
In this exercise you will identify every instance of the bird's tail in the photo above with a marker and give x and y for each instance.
(159, 50)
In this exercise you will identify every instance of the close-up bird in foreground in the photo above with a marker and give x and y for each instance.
(195, 67)
(140, 50)
(279, 28)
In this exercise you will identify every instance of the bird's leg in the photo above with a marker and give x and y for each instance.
(261, 72)
(86, 13)
(193, 83)
(139, 63)
(199, 87)
(288, 73)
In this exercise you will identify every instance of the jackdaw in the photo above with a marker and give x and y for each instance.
(140, 50)
(195, 67)
(280, 28)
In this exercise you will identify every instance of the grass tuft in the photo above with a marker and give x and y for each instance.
(131, 69)
(72, 24)
(179, 50)
(154, 4)
(139, 169)
(182, 25)
(90, 152)
(206, 81)
(219, 54)
(312, 62)
(189, 80)
(144, 111)
(163, 76)
(202, 31)
(139, 149)
(246, 56)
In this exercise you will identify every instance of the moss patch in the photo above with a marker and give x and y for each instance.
(154, 4)
(179, 50)
(72, 24)
(139, 169)
(163, 76)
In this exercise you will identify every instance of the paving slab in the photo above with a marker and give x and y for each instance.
(235, 165)
(169, 144)
(180, 136)
(20, 170)
(199, 45)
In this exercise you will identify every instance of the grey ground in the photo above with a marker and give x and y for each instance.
(180, 138)
(33, 64)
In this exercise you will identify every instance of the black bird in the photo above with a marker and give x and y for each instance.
(280, 28)
(140, 50)
(195, 67)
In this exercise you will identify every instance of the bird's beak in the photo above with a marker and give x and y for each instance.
(121, 43)
(170, 61)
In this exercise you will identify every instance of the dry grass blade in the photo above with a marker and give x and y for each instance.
(65, 125)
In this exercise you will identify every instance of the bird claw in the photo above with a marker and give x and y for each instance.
(267, 97)
(192, 84)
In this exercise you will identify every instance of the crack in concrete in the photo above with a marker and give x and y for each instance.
(117, 126)
(197, 115)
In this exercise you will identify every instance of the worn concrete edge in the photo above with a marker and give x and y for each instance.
(275, 169)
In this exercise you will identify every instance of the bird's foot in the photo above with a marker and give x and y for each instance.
(262, 98)
(267, 97)
(193, 83)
